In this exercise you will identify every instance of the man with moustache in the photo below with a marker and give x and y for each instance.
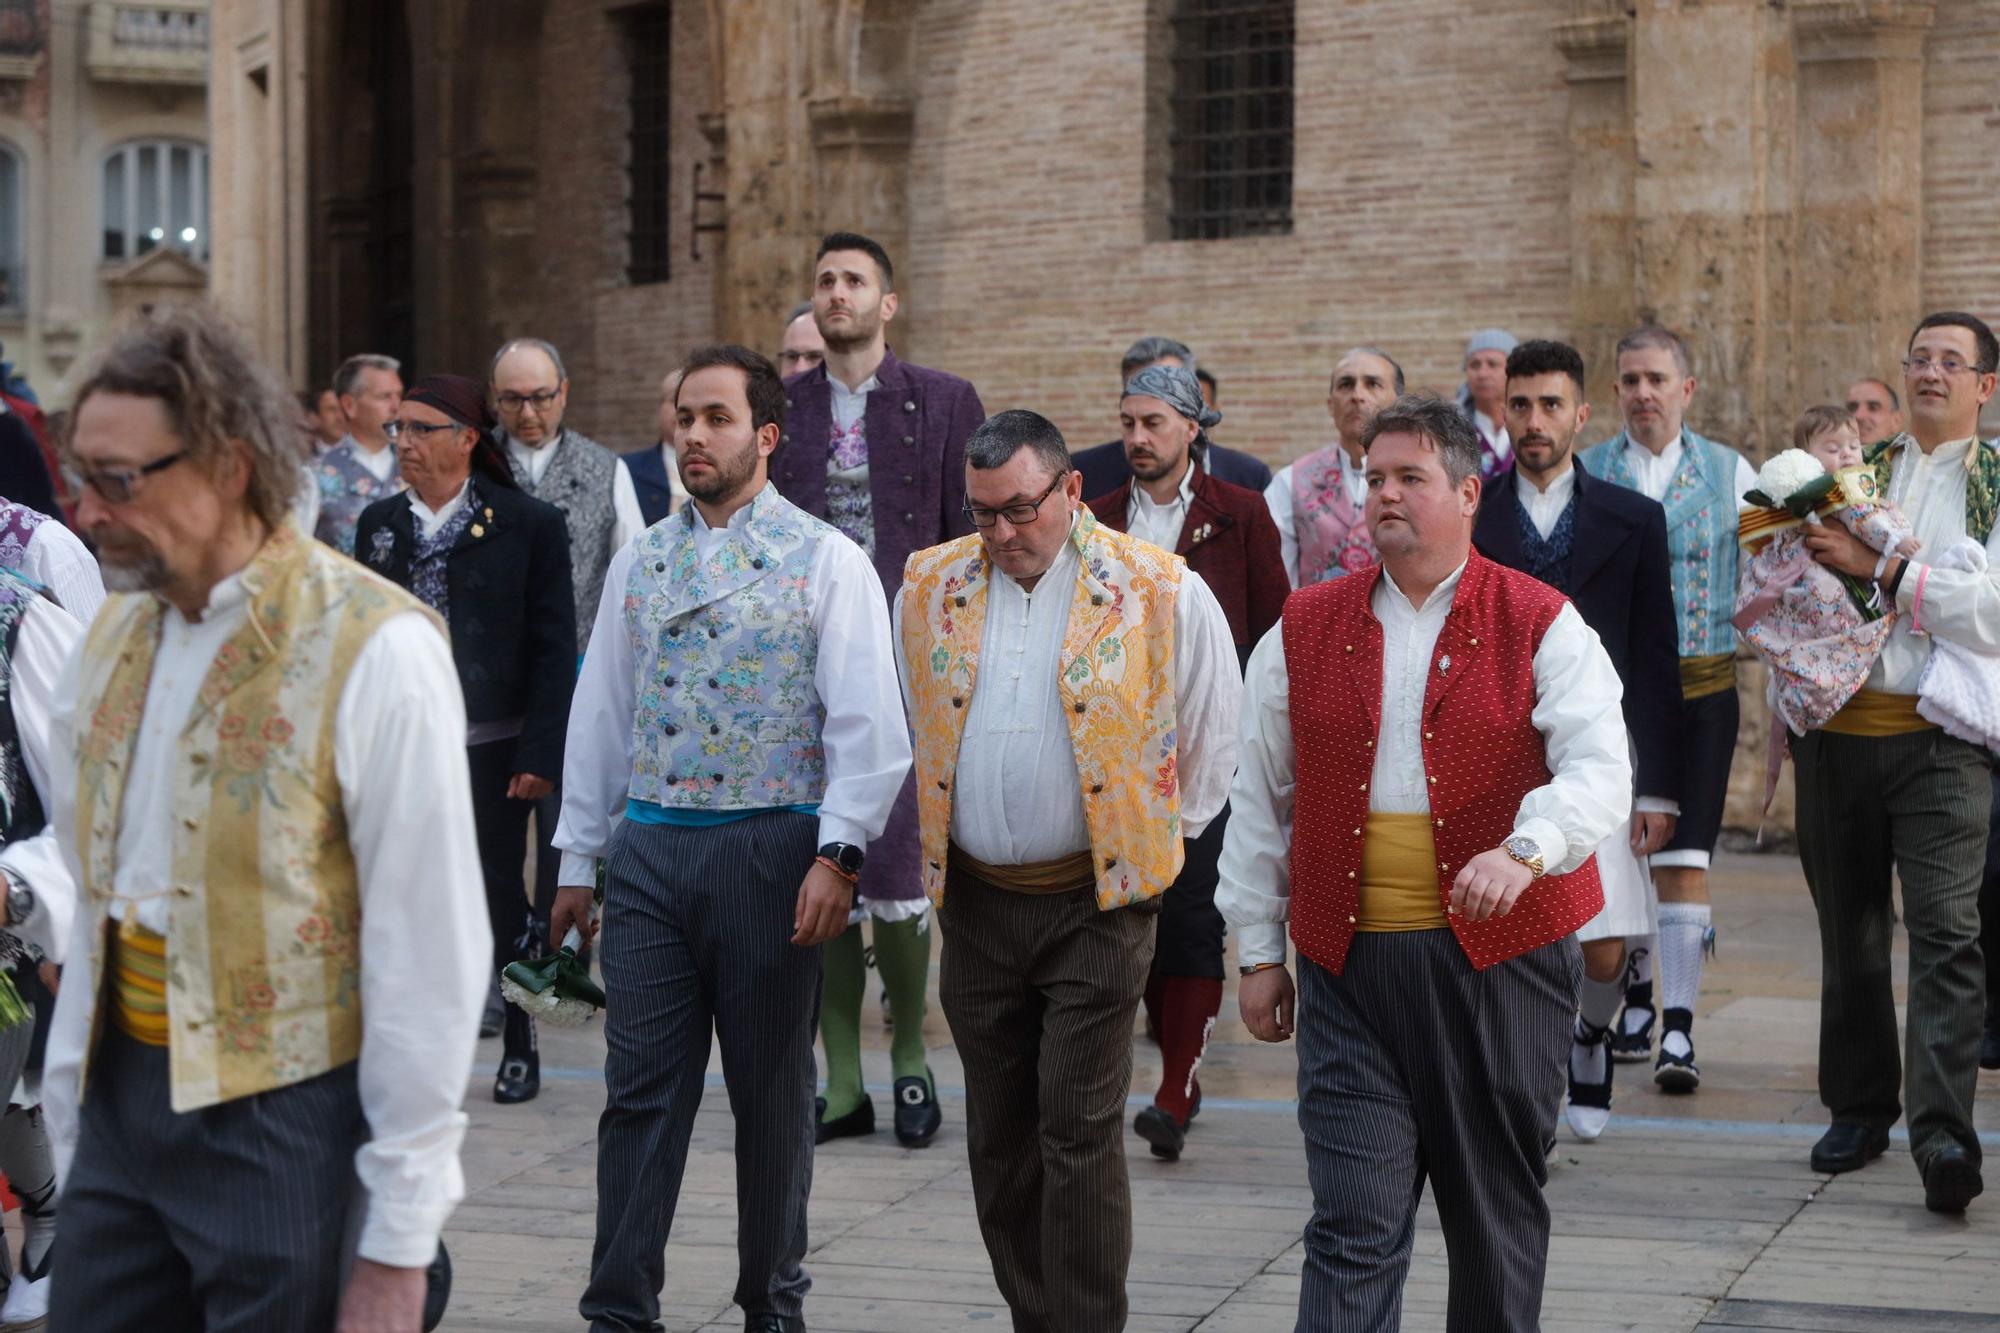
(739, 704)
(1317, 502)
(1882, 790)
(656, 478)
(279, 949)
(1073, 692)
(1103, 466)
(1225, 534)
(876, 447)
(1605, 548)
(1432, 751)
(1700, 484)
(1878, 412)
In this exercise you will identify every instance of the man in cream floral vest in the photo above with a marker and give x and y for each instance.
(280, 947)
(1073, 694)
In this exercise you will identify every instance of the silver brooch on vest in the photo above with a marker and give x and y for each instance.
(1444, 664)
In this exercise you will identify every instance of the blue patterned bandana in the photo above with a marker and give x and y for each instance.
(1177, 387)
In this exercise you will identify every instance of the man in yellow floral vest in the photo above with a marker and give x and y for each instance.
(280, 950)
(1073, 693)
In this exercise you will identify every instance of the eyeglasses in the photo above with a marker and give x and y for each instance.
(514, 402)
(423, 429)
(117, 485)
(1019, 515)
(1951, 365)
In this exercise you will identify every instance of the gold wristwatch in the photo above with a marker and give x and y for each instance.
(1527, 851)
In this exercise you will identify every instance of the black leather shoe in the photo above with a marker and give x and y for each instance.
(1951, 1180)
(773, 1323)
(437, 1289)
(1158, 1129)
(917, 1113)
(1989, 1048)
(1848, 1145)
(520, 1079)
(859, 1121)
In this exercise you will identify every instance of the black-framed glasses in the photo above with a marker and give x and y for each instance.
(1019, 515)
(424, 429)
(117, 485)
(514, 402)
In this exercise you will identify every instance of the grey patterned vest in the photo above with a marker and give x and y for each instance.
(578, 482)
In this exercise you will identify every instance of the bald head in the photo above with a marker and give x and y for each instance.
(530, 391)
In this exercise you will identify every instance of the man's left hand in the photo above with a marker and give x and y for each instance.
(381, 1299)
(1489, 885)
(1651, 831)
(824, 901)
(1840, 550)
(528, 787)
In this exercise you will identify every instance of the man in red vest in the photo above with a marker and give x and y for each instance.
(1432, 851)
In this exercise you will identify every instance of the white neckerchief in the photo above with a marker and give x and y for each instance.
(429, 521)
(1157, 523)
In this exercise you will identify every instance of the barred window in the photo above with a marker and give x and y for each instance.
(648, 36)
(156, 194)
(1231, 140)
(20, 28)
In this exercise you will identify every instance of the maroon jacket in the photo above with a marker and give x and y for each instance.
(1229, 539)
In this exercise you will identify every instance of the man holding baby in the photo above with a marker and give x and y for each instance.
(1882, 790)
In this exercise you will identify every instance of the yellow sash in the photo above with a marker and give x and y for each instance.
(1399, 876)
(1703, 676)
(139, 983)
(1878, 713)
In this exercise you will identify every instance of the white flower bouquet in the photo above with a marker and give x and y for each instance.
(556, 989)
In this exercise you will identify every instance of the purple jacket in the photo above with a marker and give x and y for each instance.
(917, 424)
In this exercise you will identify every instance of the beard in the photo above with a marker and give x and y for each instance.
(1557, 452)
(862, 326)
(728, 476)
(1152, 467)
(131, 564)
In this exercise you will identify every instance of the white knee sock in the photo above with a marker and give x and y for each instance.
(1684, 937)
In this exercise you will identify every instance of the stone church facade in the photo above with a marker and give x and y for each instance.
(1790, 183)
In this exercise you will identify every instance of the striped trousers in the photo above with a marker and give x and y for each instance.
(1040, 991)
(223, 1220)
(1414, 1067)
(1917, 805)
(697, 939)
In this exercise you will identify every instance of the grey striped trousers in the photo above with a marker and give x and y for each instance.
(225, 1220)
(1415, 1067)
(1040, 991)
(1919, 805)
(697, 938)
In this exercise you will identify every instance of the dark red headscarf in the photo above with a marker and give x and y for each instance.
(464, 401)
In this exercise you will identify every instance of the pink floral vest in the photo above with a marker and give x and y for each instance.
(1333, 531)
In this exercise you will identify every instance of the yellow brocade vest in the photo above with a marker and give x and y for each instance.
(264, 916)
(1116, 679)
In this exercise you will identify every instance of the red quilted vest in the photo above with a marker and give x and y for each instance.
(1481, 752)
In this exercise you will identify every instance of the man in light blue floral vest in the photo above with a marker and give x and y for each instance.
(1701, 485)
(739, 705)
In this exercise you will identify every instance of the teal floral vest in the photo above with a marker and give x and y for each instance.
(1701, 535)
(728, 717)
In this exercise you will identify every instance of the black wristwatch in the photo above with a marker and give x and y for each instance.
(845, 855)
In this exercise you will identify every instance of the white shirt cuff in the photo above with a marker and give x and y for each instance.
(1263, 943)
(1657, 805)
(1548, 838)
(838, 828)
(403, 1235)
(577, 870)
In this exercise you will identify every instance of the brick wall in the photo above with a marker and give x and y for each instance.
(1961, 245)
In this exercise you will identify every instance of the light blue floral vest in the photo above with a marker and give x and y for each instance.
(728, 717)
(1701, 535)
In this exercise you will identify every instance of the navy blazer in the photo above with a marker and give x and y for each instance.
(917, 422)
(655, 489)
(1619, 583)
(1104, 467)
(513, 618)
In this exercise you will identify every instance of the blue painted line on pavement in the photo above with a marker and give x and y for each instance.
(1620, 1124)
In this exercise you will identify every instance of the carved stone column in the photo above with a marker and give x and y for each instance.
(861, 177)
(1861, 178)
(1598, 45)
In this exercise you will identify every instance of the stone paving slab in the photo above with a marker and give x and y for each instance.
(1690, 1213)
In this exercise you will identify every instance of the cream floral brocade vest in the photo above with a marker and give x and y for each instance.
(264, 916)
(1116, 679)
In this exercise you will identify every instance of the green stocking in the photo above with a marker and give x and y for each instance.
(903, 956)
(840, 994)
